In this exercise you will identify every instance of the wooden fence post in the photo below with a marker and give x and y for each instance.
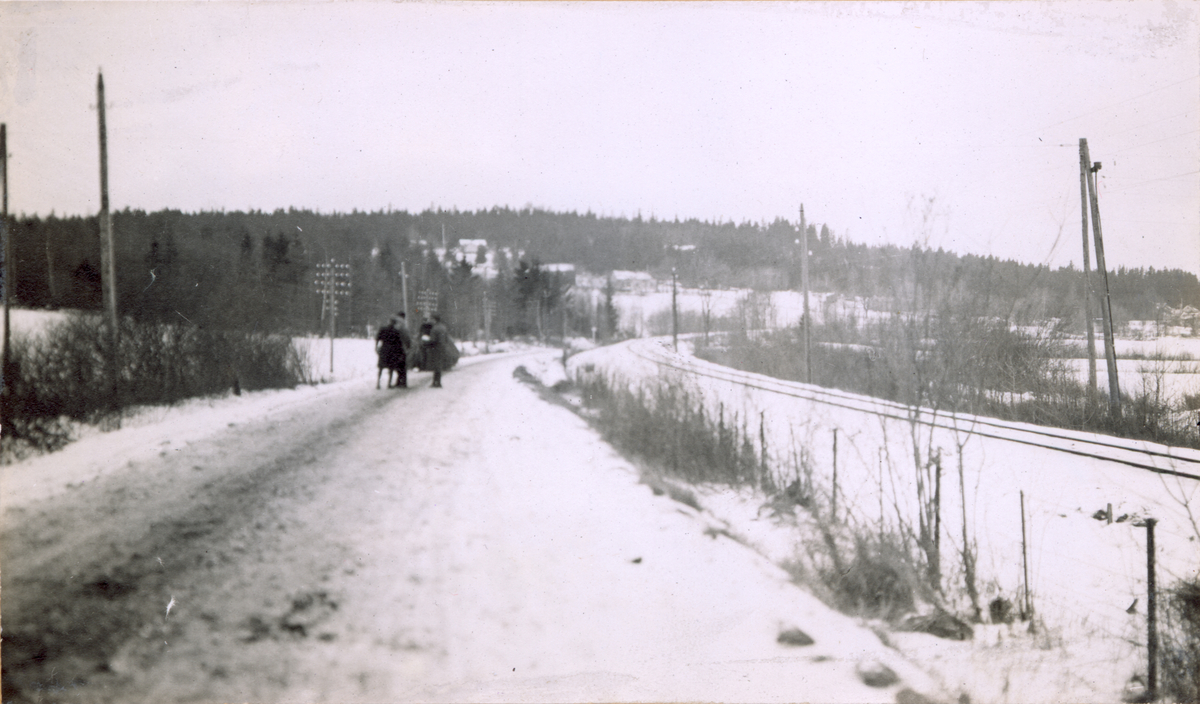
(762, 441)
(1151, 617)
(1025, 560)
(834, 512)
(881, 496)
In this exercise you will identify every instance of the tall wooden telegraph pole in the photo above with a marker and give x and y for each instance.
(108, 266)
(674, 310)
(804, 284)
(404, 291)
(1110, 354)
(8, 282)
(1087, 266)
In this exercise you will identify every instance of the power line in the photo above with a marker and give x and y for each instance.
(1164, 139)
(1153, 180)
(1147, 124)
(1160, 178)
(1154, 222)
(1119, 102)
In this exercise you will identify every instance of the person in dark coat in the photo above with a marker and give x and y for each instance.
(434, 348)
(405, 345)
(390, 346)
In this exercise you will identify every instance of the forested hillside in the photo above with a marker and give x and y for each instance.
(256, 270)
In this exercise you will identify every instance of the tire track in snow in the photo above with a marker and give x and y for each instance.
(90, 570)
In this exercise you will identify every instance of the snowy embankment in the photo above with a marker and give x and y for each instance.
(1086, 577)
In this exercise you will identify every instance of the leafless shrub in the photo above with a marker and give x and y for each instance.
(66, 372)
(670, 428)
(866, 572)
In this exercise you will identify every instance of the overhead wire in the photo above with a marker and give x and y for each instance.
(1151, 222)
(1164, 139)
(1147, 124)
(1120, 186)
(1118, 102)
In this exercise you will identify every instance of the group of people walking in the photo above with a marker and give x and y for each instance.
(393, 344)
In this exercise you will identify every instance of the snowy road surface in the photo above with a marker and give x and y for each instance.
(346, 544)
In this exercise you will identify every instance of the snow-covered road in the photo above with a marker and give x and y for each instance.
(344, 544)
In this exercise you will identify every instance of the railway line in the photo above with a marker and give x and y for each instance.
(1153, 457)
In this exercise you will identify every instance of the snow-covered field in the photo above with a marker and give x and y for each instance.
(1084, 574)
(1173, 379)
(1170, 346)
(31, 322)
(646, 315)
(637, 312)
(1168, 365)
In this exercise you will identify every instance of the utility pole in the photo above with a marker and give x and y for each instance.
(675, 309)
(804, 285)
(487, 323)
(332, 281)
(1087, 266)
(50, 282)
(404, 291)
(108, 254)
(8, 280)
(565, 346)
(332, 317)
(1110, 354)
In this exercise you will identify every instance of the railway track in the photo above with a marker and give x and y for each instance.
(1153, 457)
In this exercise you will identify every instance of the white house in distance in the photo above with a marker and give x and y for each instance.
(468, 251)
(633, 281)
(565, 272)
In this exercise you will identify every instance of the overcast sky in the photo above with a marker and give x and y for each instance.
(951, 124)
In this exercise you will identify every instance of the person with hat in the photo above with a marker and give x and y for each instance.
(434, 348)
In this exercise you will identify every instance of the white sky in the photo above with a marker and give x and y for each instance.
(861, 111)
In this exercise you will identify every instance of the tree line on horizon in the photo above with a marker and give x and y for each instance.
(257, 270)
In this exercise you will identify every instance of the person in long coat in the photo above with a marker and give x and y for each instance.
(405, 344)
(389, 345)
(434, 350)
